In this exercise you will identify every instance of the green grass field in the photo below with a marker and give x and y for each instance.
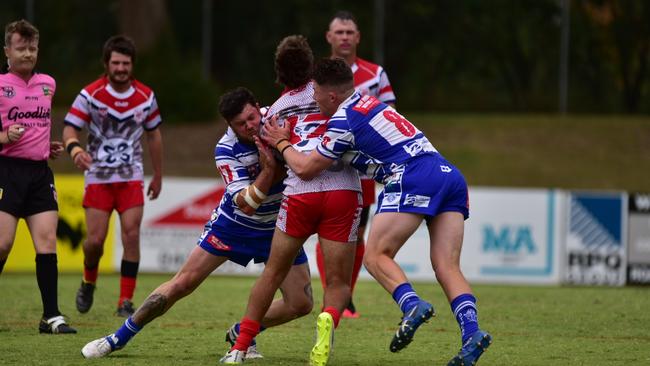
(531, 325)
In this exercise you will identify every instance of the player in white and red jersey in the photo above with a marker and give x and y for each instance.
(26, 181)
(419, 184)
(240, 230)
(116, 109)
(344, 36)
(327, 204)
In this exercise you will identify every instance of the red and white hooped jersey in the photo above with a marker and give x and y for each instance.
(115, 123)
(297, 107)
(371, 79)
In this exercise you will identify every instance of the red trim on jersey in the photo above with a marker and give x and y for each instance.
(315, 117)
(292, 121)
(386, 89)
(153, 115)
(365, 71)
(80, 114)
(97, 90)
(320, 131)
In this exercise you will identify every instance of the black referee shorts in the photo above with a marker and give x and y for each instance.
(26, 187)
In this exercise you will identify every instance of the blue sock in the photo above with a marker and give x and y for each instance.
(125, 333)
(464, 309)
(405, 297)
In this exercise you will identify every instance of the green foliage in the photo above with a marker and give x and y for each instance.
(531, 326)
(182, 93)
(443, 55)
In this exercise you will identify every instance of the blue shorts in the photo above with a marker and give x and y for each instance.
(427, 185)
(217, 241)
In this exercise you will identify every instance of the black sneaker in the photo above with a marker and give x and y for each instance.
(55, 325)
(126, 309)
(85, 297)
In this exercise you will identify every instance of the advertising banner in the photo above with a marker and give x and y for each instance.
(596, 238)
(173, 223)
(71, 233)
(638, 262)
(511, 237)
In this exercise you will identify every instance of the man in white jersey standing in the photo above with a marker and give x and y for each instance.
(344, 36)
(240, 230)
(419, 184)
(117, 109)
(327, 204)
(26, 182)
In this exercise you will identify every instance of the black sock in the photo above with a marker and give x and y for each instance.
(47, 277)
(2, 264)
(129, 269)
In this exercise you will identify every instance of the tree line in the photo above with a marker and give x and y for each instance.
(440, 55)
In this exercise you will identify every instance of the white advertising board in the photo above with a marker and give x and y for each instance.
(510, 237)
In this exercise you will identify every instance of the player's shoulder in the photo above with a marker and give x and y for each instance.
(142, 88)
(95, 86)
(367, 66)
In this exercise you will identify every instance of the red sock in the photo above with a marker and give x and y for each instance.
(336, 315)
(320, 263)
(127, 288)
(90, 274)
(358, 262)
(248, 329)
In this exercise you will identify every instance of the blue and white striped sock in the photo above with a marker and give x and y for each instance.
(405, 297)
(125, 333)
(464, 309)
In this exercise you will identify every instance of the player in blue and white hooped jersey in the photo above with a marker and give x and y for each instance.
(240, 230)
(419, 184)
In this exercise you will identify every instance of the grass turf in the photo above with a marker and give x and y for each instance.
(530, 325)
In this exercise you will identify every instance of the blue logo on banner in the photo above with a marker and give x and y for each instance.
(517, 240)
(509, 240)
(597, 220)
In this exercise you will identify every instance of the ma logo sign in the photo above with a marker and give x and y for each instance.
(509, 240)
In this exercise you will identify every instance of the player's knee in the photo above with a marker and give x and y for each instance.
(444, 269)
(94, 242)
(131, 236)
(302, 306)
(369, 261)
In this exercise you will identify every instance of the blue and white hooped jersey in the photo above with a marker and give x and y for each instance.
(373, 137)
(239, 166)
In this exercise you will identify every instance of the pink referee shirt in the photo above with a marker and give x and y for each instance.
(28, 104)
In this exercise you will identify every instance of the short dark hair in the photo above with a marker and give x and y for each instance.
(294, 61)
(333, 72)
(24, 28)
(120, 44)
(233, 102)
(344, 15)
